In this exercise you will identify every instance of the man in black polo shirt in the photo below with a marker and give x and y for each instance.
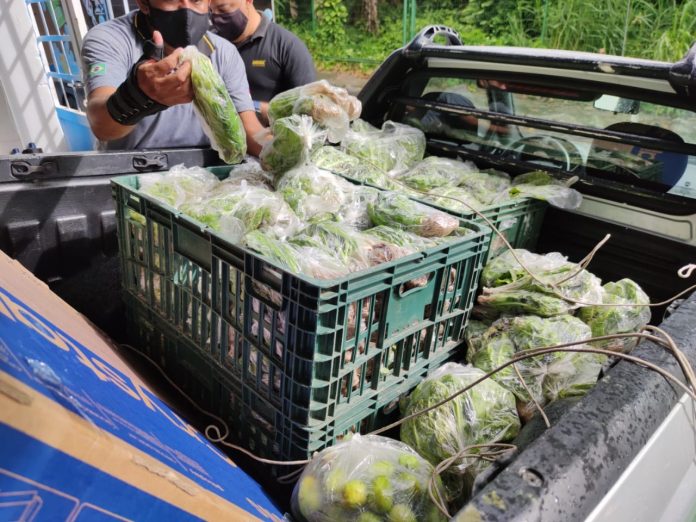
(276, 60)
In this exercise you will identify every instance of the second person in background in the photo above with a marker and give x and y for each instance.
(276, 60)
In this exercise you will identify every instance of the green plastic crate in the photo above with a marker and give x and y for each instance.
(316, 351)
(253, 421)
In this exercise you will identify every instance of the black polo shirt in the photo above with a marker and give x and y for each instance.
(276, 60)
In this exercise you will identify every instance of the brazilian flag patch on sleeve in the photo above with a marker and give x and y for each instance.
(97, 69)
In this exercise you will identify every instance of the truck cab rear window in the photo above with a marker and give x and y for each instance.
(663, 160)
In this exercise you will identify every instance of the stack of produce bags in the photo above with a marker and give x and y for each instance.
(313, 222)
(519, 312)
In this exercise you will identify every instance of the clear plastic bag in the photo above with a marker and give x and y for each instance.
(216, 111)
(289, 142)
(331, 107)
(484, 414)
(393, 149)
(179, 185)
(366, 479)
(543, 186)
(308, 260)
(354, 209)
(315, 194)
(337, 161)
(250, 172)
(434, 172)
(607, 320)
(398, 211)
(255, 207)
(339, 239)
(457, 199)
(523, 294)
(487, 186)
(549, 376)
(505, 269)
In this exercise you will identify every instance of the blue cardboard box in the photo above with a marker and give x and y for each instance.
(82, 437)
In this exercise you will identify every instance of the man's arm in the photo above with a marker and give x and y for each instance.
(162, 81)
(252, 126)
(102, 124)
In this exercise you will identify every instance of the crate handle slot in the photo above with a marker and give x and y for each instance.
(263, 292)
(392, 406)
(193, 247)
(410, 287)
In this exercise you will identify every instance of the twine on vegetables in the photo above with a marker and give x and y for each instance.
(491, 451)
(531, 395)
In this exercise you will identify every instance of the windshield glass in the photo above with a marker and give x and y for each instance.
(664, 162)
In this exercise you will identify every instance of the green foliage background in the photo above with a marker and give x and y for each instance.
(654, 29)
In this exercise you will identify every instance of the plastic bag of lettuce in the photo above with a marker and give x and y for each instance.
(484, 414)
(547, 377)
(508, 288)
(366, 479)
(218, 115)
(288, 143)
(393, 148)
(329, 106)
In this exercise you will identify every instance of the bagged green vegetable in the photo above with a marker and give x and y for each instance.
(505, 269)
(336, 238)
(329, 106)
(394, 148)
(179, 185)
(288, 143)
(549, 376)
(305, 260)
(398, 211)
(525, 295)
(366, 479)
(217, 213)
(486, 186)
(521, 302)
(255, 207)
(434, 172)
(457, 199)
(354, 210)
(218, 115)
(607, 320)
(484, 414)
(543, 186)
(361, 125)
(315, 194)
(337, 161)
(400, 237)
(248, 173)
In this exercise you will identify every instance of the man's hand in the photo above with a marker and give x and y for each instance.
(166, 81)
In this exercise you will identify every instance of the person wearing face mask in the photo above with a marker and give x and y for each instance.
(139, 96)
(275, 59)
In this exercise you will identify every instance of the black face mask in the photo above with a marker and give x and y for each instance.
(181, 27)
(230, 25)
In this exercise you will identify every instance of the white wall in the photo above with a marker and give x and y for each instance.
(9, 138)
(22, 78)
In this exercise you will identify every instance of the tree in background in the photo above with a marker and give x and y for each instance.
(371, 16)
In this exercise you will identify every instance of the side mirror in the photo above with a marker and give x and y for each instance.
(607, 102)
